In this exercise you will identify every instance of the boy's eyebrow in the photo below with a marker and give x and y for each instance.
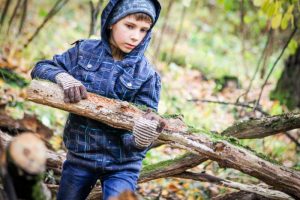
(132, 23)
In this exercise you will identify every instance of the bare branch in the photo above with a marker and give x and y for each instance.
(257, 189)
(274, 65)
(58, 5)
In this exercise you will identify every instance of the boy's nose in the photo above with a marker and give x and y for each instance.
(135, 36)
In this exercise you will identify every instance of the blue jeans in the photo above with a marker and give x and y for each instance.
(77, 181)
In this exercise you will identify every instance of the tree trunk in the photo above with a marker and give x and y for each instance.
(287, 90)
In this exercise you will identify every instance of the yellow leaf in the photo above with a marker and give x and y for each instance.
(258, 3)
(271, 9)
(285, 21)
(265, 5)
(292, 21)
(290, 9)
(276, 21)
(277, 6)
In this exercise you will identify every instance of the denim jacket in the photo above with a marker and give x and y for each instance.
(132, 79)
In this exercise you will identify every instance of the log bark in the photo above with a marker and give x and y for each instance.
(170, 167)
(122, 115)
(255, 189)
(29, 123)
(22, 167)
(259, 128)
(240, 195)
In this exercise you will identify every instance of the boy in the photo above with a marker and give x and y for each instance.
(114, 67)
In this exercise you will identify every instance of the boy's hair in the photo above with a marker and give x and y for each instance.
(141, 17)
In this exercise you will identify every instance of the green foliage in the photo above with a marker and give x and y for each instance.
(284, 97)
(13, 78)
(293, 45)
(223, 82)
(279, 11)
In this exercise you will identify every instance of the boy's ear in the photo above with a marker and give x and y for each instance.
(110, 27)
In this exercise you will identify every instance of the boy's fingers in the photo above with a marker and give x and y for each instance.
(66, 96)
(77, 96)
(71, 94)
(151, 116)
(162, 124)
(83, 92)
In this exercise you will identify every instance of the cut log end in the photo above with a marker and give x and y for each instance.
(28, 152)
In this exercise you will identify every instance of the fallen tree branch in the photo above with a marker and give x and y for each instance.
(259, 128)
(122, 115)
(256, 189)
(170, 167)
(240, 195)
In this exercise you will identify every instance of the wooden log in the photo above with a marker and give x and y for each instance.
(255, 189)
(171, 167)
(28, 123)
(259, 128)
(122, 115)
(25, 162)
(240, 195)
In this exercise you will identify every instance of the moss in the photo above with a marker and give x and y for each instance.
(141, 107)
(13, 78)
(170, 116)
(215, 137)
(297, 168)
(160, 165)
(37, 193)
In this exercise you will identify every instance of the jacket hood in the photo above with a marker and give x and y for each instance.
(105, 16)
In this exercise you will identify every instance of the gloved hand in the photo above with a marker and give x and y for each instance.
(74, 91)
(147, 129)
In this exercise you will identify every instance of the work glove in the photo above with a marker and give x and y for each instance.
(146, 129)
(74, 91)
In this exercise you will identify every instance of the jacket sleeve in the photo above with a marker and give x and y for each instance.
(48, 69)
(149, 94)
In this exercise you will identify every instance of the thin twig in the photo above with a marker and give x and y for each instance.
(257, 67)
(229, 103)
(182, 17)
(162, 30)
(273, 67)
(7, 4)
(13, 15)
(293, 139)
(58, 5)
(94, 15)
(25, 2)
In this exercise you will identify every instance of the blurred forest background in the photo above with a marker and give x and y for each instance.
(221, 62)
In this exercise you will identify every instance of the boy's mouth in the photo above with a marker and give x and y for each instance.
(129, 46)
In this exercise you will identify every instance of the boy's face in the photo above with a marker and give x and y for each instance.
(128, 32)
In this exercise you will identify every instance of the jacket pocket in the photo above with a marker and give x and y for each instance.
(89, 62)
(87, 71)
(126, 87)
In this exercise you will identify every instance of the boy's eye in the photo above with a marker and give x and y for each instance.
(144, 30)
(129, 26)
